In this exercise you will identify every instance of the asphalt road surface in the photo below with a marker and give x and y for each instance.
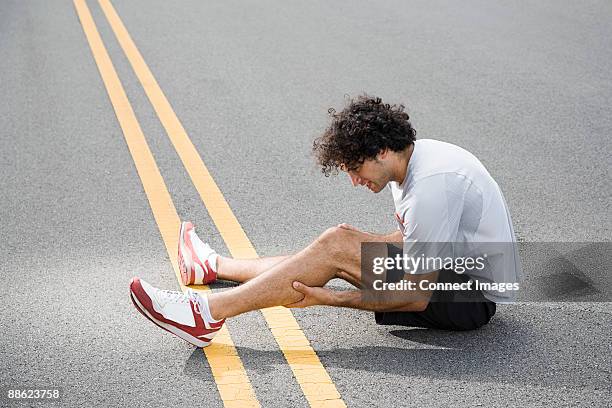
(525, 86)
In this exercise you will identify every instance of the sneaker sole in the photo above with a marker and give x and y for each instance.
(184, 259)
(168, 327)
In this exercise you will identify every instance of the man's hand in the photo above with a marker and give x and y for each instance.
(313, 296)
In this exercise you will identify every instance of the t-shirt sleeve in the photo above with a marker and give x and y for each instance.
(430, 218)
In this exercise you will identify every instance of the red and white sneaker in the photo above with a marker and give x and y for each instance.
(197, 260)
(185, 315)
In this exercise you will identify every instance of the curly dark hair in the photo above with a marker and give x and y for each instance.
(364, 128)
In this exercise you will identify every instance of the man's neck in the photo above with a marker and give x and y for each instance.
(402, 164)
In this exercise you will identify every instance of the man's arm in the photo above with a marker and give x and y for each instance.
(395, 236)
(354, 299)
(402, 302)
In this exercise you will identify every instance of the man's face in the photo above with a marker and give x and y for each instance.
(373, 174)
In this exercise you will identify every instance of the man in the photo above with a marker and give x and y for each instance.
(442, 194)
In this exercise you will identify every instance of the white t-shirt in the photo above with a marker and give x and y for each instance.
(449, 197)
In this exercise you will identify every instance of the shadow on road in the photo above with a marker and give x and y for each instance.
(508, 350)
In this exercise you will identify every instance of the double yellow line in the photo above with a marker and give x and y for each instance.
(232, 381)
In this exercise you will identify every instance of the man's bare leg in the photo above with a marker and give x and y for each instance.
(242, 270)
(335, 253)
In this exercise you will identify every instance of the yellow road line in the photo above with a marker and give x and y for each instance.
(216, 205)
(316, 384)
(228, 371)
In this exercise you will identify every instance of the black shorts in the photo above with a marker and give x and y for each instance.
(447, 310)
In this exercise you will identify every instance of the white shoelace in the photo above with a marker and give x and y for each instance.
(173, 296)
(191, 296)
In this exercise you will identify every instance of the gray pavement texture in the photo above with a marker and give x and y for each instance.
(524, 85)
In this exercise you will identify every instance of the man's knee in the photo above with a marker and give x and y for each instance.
(340, 244)
(333, 239)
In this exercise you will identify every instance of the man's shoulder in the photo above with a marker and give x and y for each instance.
(436, 152)
(437, 158)
(437, 144)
